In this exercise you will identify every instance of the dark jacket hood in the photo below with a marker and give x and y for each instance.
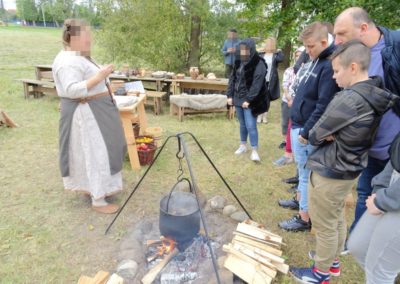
(327, 52)
(378, 98)
(254, 57)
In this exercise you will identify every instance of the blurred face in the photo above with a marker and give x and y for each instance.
(314, 47)
(244, 53)
(345, 30)
(231, 35)
(270, 46)
(82, 41)
(297, 55)
(342, 75)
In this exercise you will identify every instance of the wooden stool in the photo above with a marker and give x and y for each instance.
(154, 99)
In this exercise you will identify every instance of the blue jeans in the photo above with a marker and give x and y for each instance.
(248, 126)
(364, 188)
(301, 153)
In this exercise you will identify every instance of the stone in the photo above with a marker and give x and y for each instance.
(229, 210)
(127, 269)
(217, 202)
(239, 216)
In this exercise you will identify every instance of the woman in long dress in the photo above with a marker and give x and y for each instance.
(92, 144)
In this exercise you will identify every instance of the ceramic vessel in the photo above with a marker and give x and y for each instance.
(194, 72)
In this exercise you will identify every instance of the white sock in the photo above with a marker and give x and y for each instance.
(99, 202)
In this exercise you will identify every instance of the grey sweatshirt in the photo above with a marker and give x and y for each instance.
(386, 185)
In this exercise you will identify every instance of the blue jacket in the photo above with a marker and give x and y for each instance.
(390, 123)
(313, 93)
(229, 58)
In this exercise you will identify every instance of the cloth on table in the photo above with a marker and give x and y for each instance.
(125, 101)
(200, 102)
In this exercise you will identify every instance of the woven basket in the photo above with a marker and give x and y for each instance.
(146, 157)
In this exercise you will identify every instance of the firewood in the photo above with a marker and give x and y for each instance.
(267, 270)
(258, 233)
(255, 224)
(115, 279)
(153, 273)
(266, 254)
(256, 244)
(273, 244)
(248, 272)
(85, 280)
(101, 277)
(7, 120)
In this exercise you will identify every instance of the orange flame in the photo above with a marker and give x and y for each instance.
(167, 246)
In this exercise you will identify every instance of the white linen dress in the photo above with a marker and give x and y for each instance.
(89, 166)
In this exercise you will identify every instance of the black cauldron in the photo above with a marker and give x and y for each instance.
(179, 215)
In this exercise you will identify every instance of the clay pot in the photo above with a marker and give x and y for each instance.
(194, 72)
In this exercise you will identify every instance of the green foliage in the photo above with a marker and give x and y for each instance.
(156, 34)
(26, 10)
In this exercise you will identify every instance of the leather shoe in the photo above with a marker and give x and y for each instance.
(289, 203)
(295, 224)
(107, 209)
(291, 180)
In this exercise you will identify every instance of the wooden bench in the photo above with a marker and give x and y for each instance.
(182, 111)
(36, 88)
(154, 98)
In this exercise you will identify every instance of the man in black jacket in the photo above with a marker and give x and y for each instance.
(342, 136)
(313, 94)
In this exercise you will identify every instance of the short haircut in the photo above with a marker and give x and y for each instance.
(317, 30)
(72, 27)
(233, 30)
(353, 51)
(360, 16)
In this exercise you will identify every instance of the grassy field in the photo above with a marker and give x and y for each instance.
(50, 236)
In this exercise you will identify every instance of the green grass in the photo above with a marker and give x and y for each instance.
(49, 236)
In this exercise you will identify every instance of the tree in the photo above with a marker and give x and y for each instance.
(26, 10)
(169, 34)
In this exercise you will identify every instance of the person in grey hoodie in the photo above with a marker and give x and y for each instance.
(375, 241)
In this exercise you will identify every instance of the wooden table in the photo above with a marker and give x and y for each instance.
(179, 84)
(44, 72)
(159, 82)
(129, 115)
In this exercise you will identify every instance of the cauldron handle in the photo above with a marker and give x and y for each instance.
(173, 188)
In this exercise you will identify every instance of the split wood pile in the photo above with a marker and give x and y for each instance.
(255, 254)
(102, 277)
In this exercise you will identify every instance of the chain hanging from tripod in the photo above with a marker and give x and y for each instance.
(179, 155)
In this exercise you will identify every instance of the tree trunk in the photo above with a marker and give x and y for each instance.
(285, 5)
(195, 31)
(1, 5)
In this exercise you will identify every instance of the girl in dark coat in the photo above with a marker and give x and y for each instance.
(247, 92)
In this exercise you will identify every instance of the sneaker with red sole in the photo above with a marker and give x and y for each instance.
(310, 275)
(334, 270)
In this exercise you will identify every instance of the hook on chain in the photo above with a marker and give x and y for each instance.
(179, 155)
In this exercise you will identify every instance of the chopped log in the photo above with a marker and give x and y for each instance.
(256, 244)
(246, 271)
(153, 273)
(257, 239)
(267, 270)
(85, 280)
(101, 277)
(4, 118)
(255, 224)
(115, 279)
(271, 256)
(258, 233)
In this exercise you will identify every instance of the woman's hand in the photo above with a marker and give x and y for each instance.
(371, 207)
(105, 71)
(245, 105)
(230, 101)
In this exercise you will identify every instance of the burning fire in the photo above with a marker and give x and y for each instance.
(166, 246)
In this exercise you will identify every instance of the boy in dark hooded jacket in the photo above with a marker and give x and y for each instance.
(343, 136)
(247, 92)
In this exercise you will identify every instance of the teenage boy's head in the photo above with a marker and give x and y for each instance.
(350, 63)
(315, 39)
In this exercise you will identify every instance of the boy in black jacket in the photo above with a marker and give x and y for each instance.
(343, 136)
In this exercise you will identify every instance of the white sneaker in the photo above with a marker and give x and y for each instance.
(254, 156)
(259, 118)
(242, 149)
